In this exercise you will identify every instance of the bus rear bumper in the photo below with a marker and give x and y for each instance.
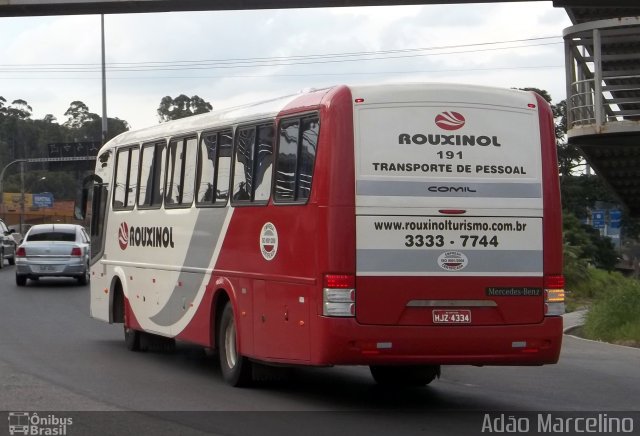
(344, 342)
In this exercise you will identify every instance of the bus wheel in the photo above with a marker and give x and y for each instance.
(132, 339)
(236, 369)
(417, 375)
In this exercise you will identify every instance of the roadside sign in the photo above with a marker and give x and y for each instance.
(615, 218)
(44, 199)
(597, 218)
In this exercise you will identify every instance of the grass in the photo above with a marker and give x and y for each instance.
(614, 306)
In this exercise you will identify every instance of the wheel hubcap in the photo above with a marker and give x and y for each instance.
(230, 344)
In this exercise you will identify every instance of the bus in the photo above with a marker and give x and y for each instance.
(397, 226)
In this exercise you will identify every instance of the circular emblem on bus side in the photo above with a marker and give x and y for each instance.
(452, 261)
(123, 235)
(269, 241)
(450, 120)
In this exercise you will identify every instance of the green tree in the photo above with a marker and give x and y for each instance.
(84, 125)
(586, 245)
(181, 107)
(21, 136)
(3, 109)
(19, 109)
(78, 115)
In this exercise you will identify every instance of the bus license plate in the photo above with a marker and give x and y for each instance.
(451, 316)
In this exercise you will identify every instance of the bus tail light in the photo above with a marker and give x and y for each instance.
(553, 295)
(339, 295)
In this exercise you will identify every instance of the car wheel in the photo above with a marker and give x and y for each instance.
(83, 280)
(236, 369)
(21, 280)
(12, 259)
(1, 259)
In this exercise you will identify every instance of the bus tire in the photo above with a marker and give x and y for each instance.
(414, 375)
(236, 369)
(131, 339)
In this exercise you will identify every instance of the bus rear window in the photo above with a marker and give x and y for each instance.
(298, 139)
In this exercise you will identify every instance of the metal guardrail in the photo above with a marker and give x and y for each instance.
(602, 61)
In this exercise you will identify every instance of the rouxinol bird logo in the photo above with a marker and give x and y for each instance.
(145, 236)
(450, 120)
(123, 236)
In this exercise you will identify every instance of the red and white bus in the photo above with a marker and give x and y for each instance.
(401, 227)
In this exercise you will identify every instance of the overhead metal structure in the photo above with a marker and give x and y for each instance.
(75, 7)
(603, 95)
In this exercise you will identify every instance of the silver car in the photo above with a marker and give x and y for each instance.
(53, 250)
(8, 245)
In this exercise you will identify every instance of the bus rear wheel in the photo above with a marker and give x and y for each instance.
(414, 375)
(236, 369)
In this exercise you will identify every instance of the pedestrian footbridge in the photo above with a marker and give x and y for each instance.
(602, 63)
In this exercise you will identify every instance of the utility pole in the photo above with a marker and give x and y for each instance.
(104, 85)
(21, 196)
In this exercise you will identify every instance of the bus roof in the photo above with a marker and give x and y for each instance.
(216, 118)
(269, 108)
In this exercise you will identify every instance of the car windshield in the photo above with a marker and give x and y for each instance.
(52, 236)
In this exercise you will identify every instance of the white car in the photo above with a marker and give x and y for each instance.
(8, 245)
(53, 250)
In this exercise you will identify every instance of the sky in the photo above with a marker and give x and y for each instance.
(234, 57)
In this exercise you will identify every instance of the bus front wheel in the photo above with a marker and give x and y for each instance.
(236, 369)
(131, 338)
(414, 375)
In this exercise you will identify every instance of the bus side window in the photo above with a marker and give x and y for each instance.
(181, 172)
(223, 176)
(206, 168)
(263, 167)
(253, 169)
(214, 168)
(189, 170)
(298, 139)
(151, 170)
(307, 159)
(174, 165)
(287, 162)
(126, 178)
(243, 171)
(132, 179)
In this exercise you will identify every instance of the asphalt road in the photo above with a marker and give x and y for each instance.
(54, 357)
